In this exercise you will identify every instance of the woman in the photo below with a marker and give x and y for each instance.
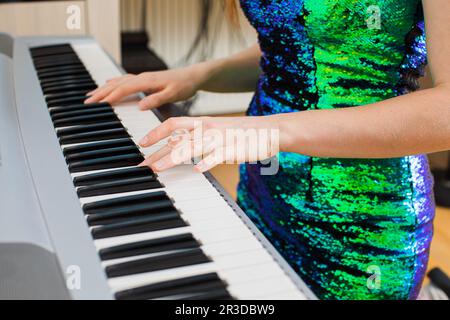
(351, 206)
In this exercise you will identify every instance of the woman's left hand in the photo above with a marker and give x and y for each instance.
(214, 140)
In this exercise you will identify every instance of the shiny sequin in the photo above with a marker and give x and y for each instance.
(341, 223)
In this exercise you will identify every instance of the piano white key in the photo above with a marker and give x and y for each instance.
(228, 269)
(209, 234)
(137, 280)
(195, 193)
(219, 251)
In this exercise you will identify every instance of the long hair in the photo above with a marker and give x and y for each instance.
(231, 11)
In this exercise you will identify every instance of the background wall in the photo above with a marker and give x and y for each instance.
(99, 18)
(172, 26)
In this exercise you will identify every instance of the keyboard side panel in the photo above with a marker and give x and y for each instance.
(29, 267)
(62, 214)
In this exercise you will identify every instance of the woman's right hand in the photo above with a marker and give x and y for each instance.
(162, 87)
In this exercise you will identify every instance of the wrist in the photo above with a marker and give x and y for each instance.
(204, 72)
(288, 131)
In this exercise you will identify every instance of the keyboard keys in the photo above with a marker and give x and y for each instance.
(101, 153)
(64, 88)
(160, 262)
(89, 128)
(137, 225)
(121, 186)
(55, 81)
(176, 242)
(98, 145)
(206, 284)
(113, 175)
(56, 110)
(86, 119)
(81, 112)
(125, 160)
(67, 101)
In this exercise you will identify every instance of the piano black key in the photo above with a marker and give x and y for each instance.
(98, 145)
(65, 78)
(58, 63)
(100, 206)
(55, 74)
(177, 242)
(219, 294)
(50, 50)
(78, 107)
(135, 226)
(55, 57)
(60, 102)
(42, 72)
(125, 160)
(64, 88)
(89, 128)
(65, 95)
(120, 186)
(89, 119)
(54, 68)
(81, 112)
(150, 217)
(84, 80)
(199, 284)
(101, 135)
(94, 154)
(113, 175)
(161, 262)
(132, 209)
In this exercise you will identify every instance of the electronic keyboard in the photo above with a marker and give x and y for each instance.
(80, 219)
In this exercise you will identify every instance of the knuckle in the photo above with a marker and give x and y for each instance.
(156, 100)
(171, 123)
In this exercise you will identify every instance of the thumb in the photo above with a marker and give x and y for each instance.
(155, 100)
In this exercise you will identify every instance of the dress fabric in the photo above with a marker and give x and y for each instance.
(351, 228)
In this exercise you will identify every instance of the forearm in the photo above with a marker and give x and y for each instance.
(237, 73)
(412, 124)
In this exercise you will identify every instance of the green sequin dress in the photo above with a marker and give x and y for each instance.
(351, 228)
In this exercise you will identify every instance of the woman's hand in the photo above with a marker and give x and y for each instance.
(214, 140)
(163, 87)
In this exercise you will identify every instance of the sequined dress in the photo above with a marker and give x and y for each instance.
(351, 228)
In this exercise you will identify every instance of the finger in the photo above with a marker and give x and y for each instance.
(215, 158)
(95, 91)
(109, 82)
(125, 88)
(156, 156)
(184, 152)
(167, 127)
(155, 100)
(177, 156)
(100, 93)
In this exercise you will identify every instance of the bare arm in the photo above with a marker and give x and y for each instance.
(411, 124)
(237, 73)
